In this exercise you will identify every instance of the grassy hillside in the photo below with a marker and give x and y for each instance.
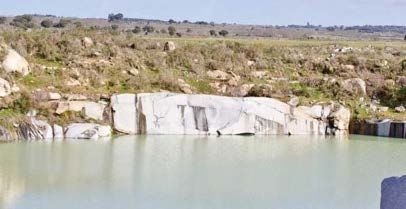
(111, 61)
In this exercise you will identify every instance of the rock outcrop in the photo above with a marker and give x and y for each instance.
(5, 88)
(169, 113)
(87, 131)
(14, 62)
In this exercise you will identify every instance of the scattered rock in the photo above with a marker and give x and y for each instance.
(184, 87)
(54, 96)
(94, 110)
(75, 97)
(401, 81)
(294, 102)
(74, 106)
(349, 67)
(400, 109)
(218, 75)
(258, 74)
(72, 82)
(355, 86)
(15, 63)
(87, 131)
(5, 88)
(340, 119)
(169, 46)
(87, 42)
(133, 71)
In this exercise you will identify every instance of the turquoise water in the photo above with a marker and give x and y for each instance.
(185, 172)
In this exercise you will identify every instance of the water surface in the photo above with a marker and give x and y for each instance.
(184, 172)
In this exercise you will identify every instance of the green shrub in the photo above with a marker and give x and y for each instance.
(137, 29)
(223, 33)
(3, 20)
(62, 23)
(171, 30)
(47, 23)
(23, 21)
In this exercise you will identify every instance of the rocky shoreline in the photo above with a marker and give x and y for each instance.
(182, 114)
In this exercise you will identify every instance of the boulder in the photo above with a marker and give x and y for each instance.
(294, 102)
(184, 87)
(339, 120)
(401, 81)
(54, 96)
(400, 109)
(94, 110)
(87, 42)
(15, 63)
(218, 75)
(258, 74)
(74, 106)
(169, 46)
(355, 86)
(5, 88)
(33, 129)
(168, 113)
(87, 131)
(393, 193)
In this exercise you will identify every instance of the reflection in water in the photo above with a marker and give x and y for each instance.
(197, 172)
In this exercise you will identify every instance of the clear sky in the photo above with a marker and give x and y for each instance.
(268, 12)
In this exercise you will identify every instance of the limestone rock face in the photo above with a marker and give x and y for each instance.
(5, 88)
(34, 129)
(125, 113)
(14, 62)
(58, 131)
(168, 113)
(87, 131)
(94, 110)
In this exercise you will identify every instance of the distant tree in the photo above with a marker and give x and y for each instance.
(137, 29)
(115, 27)
(213, 33)
(201, 23)
(47, 23)
(223, 33)
(179, 35)
(186, 21)
(212, 23)
(3, 20)
(405, 38)
(148, 29)
(115, 17)
(172, 21)
(171, 30)
(164, 31)
(188, 30)
(23, 21)
(62, 23)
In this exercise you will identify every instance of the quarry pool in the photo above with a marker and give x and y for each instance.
(186, 172)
